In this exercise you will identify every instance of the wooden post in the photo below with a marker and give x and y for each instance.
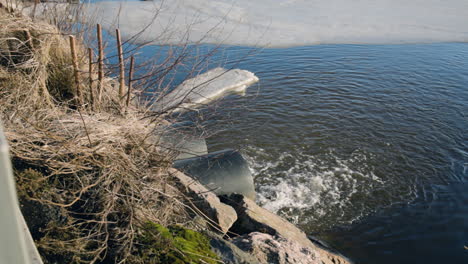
(130, 79)
(121, 66)
(29, 39)
(36, 2)
(75, 70)
(91, 91)
(100, 62)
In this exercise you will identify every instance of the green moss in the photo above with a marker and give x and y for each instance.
(175, 244)
(34, 184)
(30, 182)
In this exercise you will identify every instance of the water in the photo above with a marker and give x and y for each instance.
(362, 146)
(365, 147)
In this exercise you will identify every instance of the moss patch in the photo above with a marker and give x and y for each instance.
(174, 244)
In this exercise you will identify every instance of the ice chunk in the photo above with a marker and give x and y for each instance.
(287, 22)
(205, 88)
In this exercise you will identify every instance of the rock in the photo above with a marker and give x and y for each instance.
(222, 215)
(253, 218)
(230, 253)
(275, 249)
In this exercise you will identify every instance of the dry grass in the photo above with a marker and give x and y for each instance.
(100, 173)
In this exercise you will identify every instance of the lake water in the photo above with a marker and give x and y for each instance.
(362, 146)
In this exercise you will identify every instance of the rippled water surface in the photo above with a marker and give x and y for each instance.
(365, 147)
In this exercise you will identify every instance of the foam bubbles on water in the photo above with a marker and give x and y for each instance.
(307, 188)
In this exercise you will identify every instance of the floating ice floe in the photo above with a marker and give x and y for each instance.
(205, 88)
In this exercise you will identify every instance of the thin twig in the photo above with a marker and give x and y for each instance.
(130, 80)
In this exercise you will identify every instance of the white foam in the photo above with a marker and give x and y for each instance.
(305, 188)
(287, 22)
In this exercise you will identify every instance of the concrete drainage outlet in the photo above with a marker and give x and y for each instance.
(223, 172)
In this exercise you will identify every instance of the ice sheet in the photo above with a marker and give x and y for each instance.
(205, 88)
(275, 23)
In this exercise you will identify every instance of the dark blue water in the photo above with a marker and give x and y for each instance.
(365, 147)
(362, 146)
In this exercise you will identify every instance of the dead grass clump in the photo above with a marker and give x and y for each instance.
(105, 181)
(96, 177)
(39, 54)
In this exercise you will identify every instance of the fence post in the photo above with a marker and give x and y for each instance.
(100, 62)
(90, 69)
(121, 66)
(75, 70)
(29, 39)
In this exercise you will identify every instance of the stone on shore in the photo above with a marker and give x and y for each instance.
(222, 216)
(275, 249)
(230, 253)
(253, 218)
